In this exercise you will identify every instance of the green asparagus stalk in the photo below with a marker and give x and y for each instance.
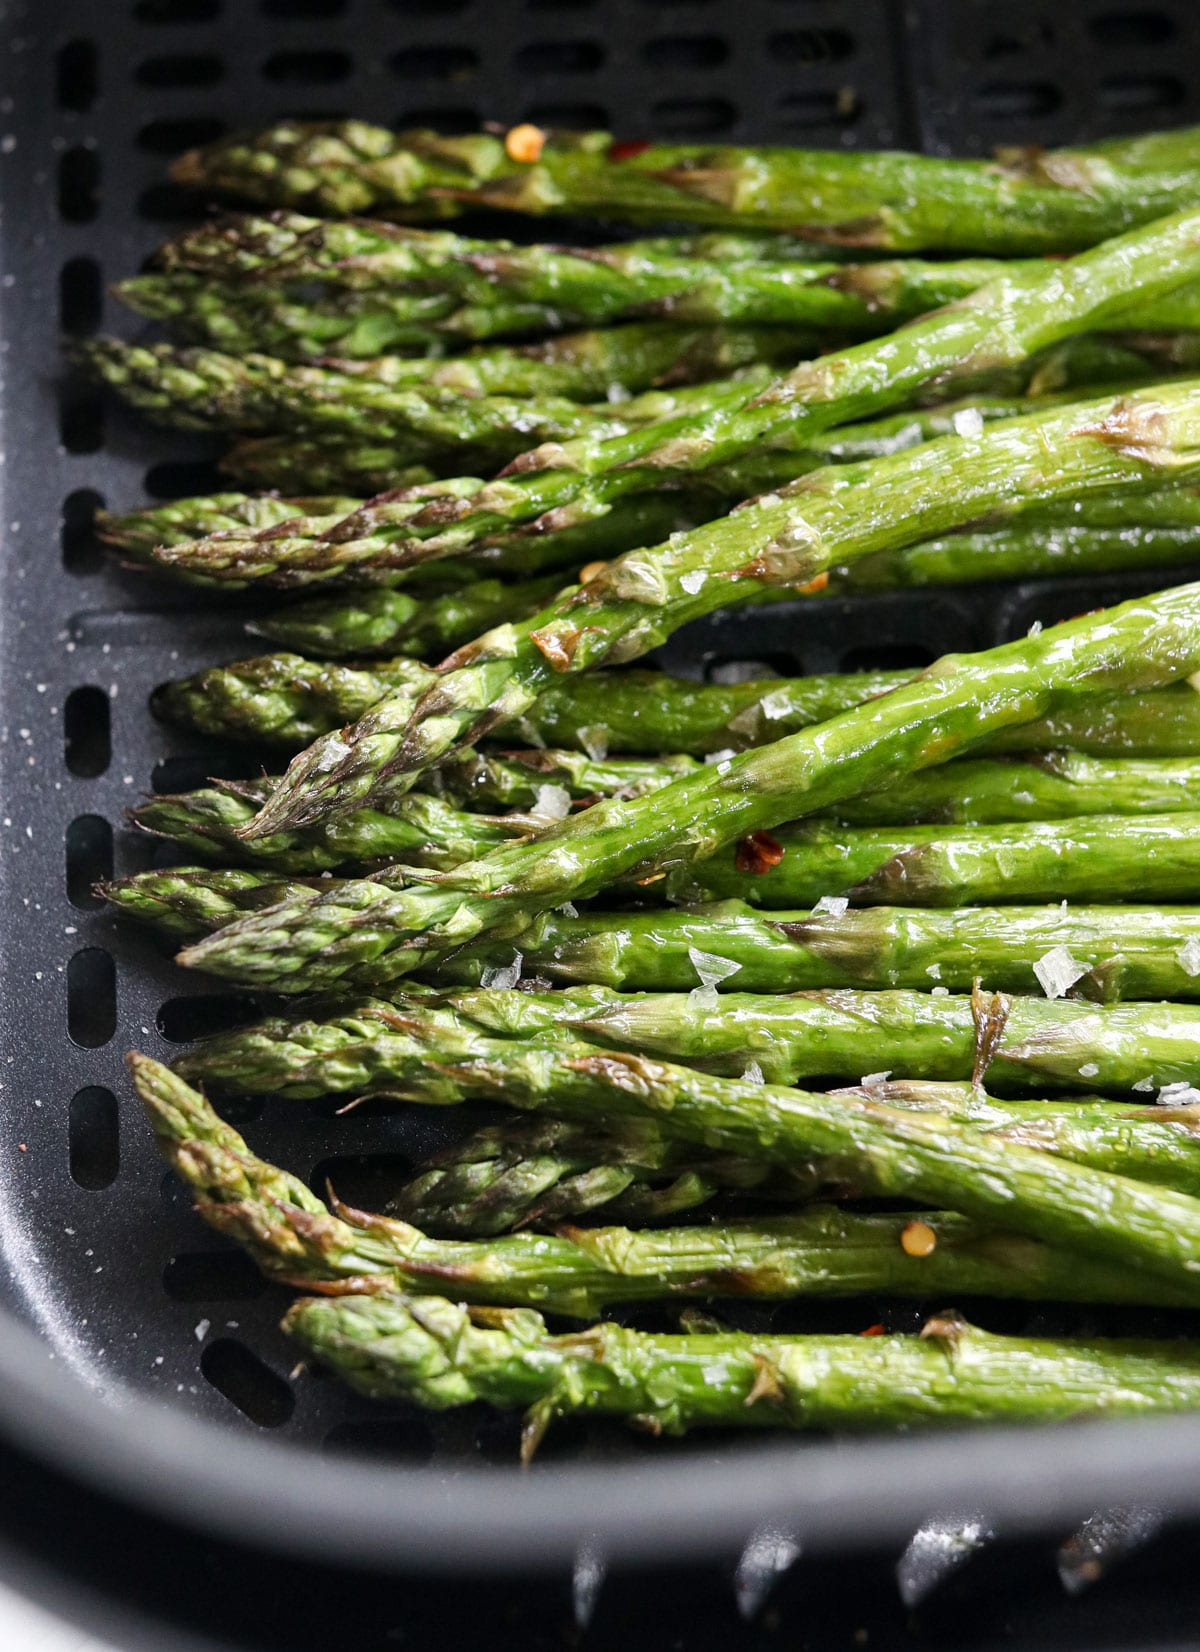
(197, 389)
(285, 700)
(186, 901)
(781, 541)
(1023, 201)
(805, 305)
(999, 326)
(382, 621)
(1018, 1044)
(1095, 952)
(440, 1354)
(421, 831)
(1142, 858)
(370, 542)
(178, 520)
(946, 711)
(368, 464)
(544, 1171)
(293, 1237)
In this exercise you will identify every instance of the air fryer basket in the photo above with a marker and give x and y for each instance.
(135, 1349)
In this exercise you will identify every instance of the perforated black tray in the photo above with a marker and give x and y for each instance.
(134, 1348)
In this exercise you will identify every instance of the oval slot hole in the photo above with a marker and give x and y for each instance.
(78, 185)
(257, 1391)
(87, 730)
(80, 416)
(80, 296)
(212, 1276)
(91, 998)
(93, 1135)
(76, 78)
(89, 859)
(182, 1019)
(366, 1180)
(82, 552)
(886, 656)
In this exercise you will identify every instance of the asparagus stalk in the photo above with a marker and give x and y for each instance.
(197, 389)
(1122, 951)
(368, 465)
(999, 326)
(284, 700)
(178, 520)
(781, 541)
(544, 1171)
(370, 543)
(441, 1354)
(295, 1238)
(1023, 201)
(1018, 1044)
(1143, 857)
(481, 298)
(187, 901)
(948, 710)
(421, 831)
(384, 621)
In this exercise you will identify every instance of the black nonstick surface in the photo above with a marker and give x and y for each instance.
(136, 1351)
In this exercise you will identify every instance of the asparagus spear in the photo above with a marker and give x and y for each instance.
(1122, 951)
(369, 542)
(284, 700)
(1144, 857)
(441, 1354)
(949, 709)
(421, 831)
(1018, 1044)
(382, 621)
(293, 1237)
(178, 520)
(1023, 201)
(1000, 325)
(544, 1171)
(186, 901)
(368, 464)
(197, 389)
(780, 541)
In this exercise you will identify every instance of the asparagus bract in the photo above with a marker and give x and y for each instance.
(783, 540)
(191, 900)
(947, 710)
(1140, 857)
(1023, 201)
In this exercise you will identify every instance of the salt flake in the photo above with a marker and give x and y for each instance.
(711, 968)
(694, 581)
(1057, 971)
(554, 802)
(1178, 1095)
(968, 421)
(1089, 1070)
(753, 1074)
(506, 977)
(1189, 956)
(1145, 1084)
(835, 905)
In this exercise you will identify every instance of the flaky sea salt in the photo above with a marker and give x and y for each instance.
(1189, 956)
(721, 756)
(594, 740)
(568, 909)
(1089, 1070)
(201, 1329)
(968, 421)
(876, 1078)
(1035, 630)
(554, 802)
(1145, 1084)
(694, 581)
(835, 905)
(753, 1074)
(1057, 971)
(940, 992)
(506, 977)
(934, 972)
(1178, 1095)
(710, 969)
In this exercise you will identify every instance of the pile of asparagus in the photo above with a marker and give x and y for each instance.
(745, 954)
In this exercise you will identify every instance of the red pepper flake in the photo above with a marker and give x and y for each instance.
(627, 151)
(758, 853)
(872, 1331)
(21, 1147)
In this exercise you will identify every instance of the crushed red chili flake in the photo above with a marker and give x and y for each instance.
(872, 1331)
(524, 143)
(627, 151)
(758, 853)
